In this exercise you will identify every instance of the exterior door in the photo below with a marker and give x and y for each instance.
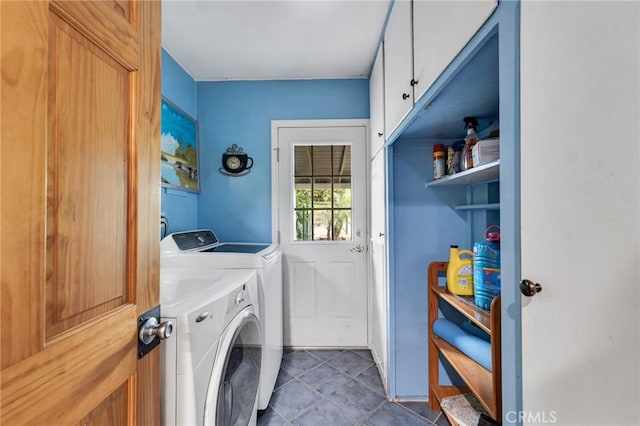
(321, 223)
(580, 177)
(80, 210)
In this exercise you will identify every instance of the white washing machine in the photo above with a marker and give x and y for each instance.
(201, 250)
(210, 370)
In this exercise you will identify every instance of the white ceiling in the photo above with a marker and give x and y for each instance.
(269, 39)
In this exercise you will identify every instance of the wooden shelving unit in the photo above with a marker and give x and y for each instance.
(484, 384)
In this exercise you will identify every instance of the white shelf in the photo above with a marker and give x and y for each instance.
(485, 173)
(491, 206)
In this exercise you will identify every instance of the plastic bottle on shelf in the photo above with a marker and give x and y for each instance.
(471, 124)
(438, 161)
(486, 268)
(460, 272)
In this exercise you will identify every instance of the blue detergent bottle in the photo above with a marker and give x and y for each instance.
(486, 268)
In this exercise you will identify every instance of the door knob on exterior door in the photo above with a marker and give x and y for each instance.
(358, 249)
(529, 288)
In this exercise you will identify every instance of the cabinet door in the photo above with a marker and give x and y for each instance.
(580, 334)
(378, 255)
(398, 66)
(440, 30)
(376, 104)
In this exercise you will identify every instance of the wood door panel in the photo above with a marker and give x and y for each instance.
(113, 410)
(89, 139)
(101, 362)
(23, 156)
(80, 210)
(105, 25)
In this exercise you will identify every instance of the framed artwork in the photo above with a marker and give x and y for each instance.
(179, 166)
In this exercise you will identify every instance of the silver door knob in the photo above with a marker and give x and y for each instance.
(529, 288)
(357, 249)
(151, 329)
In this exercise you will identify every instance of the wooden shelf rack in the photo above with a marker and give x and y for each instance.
(484, 384)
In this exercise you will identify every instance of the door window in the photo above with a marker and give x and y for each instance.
(322, 192)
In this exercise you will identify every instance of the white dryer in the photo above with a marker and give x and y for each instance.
(201, 250)
(210, 370)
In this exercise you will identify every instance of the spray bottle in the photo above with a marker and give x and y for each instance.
(471, 124)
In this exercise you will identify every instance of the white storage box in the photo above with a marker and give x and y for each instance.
(485, 151)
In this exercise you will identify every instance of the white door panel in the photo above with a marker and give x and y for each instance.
(580, 177)
(440, 30)
(378, 253)
(398, 66)
(324, 277)
(376, 104)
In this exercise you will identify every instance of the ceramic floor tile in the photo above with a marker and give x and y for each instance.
(271, 418)
(394, 414)
(357, 400)
(296, 363)
(324, 413)
(364, 353)
(324, 378)
(350, 363)
(326, 354)
(442, 421)
(371, 378)
(422, 408)
(283, 378)
(293, 398)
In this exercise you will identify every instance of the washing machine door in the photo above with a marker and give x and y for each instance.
(233, 388)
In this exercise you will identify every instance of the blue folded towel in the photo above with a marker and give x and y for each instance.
(475, 348)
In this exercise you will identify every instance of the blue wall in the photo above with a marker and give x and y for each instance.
(180, 207)
(240, 112)
(423, 226)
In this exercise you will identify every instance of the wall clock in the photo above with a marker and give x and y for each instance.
(236, 162)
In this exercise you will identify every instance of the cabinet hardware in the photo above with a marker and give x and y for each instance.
(380, 134)
(414, 82)
(405, 96)
(529, 288)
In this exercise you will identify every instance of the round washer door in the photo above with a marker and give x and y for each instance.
(233, 388)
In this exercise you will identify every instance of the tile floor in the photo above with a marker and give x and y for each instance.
(338, 388)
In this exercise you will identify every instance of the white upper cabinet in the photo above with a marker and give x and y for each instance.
(440, 30)
(398, 65)
(376, 104)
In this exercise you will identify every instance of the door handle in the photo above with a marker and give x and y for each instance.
(529, 288)
(357, 249)
(151, 331)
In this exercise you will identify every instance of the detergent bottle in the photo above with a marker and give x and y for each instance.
(486, 268)
(460, 272)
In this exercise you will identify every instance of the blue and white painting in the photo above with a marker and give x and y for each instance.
(179, 146)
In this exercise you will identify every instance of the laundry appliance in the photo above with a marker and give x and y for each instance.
(201, 250)
(210, 370)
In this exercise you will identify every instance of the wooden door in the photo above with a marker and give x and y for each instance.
(580, 207)
(80, 210)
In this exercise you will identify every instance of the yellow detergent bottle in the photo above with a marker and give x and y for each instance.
(460, 272)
